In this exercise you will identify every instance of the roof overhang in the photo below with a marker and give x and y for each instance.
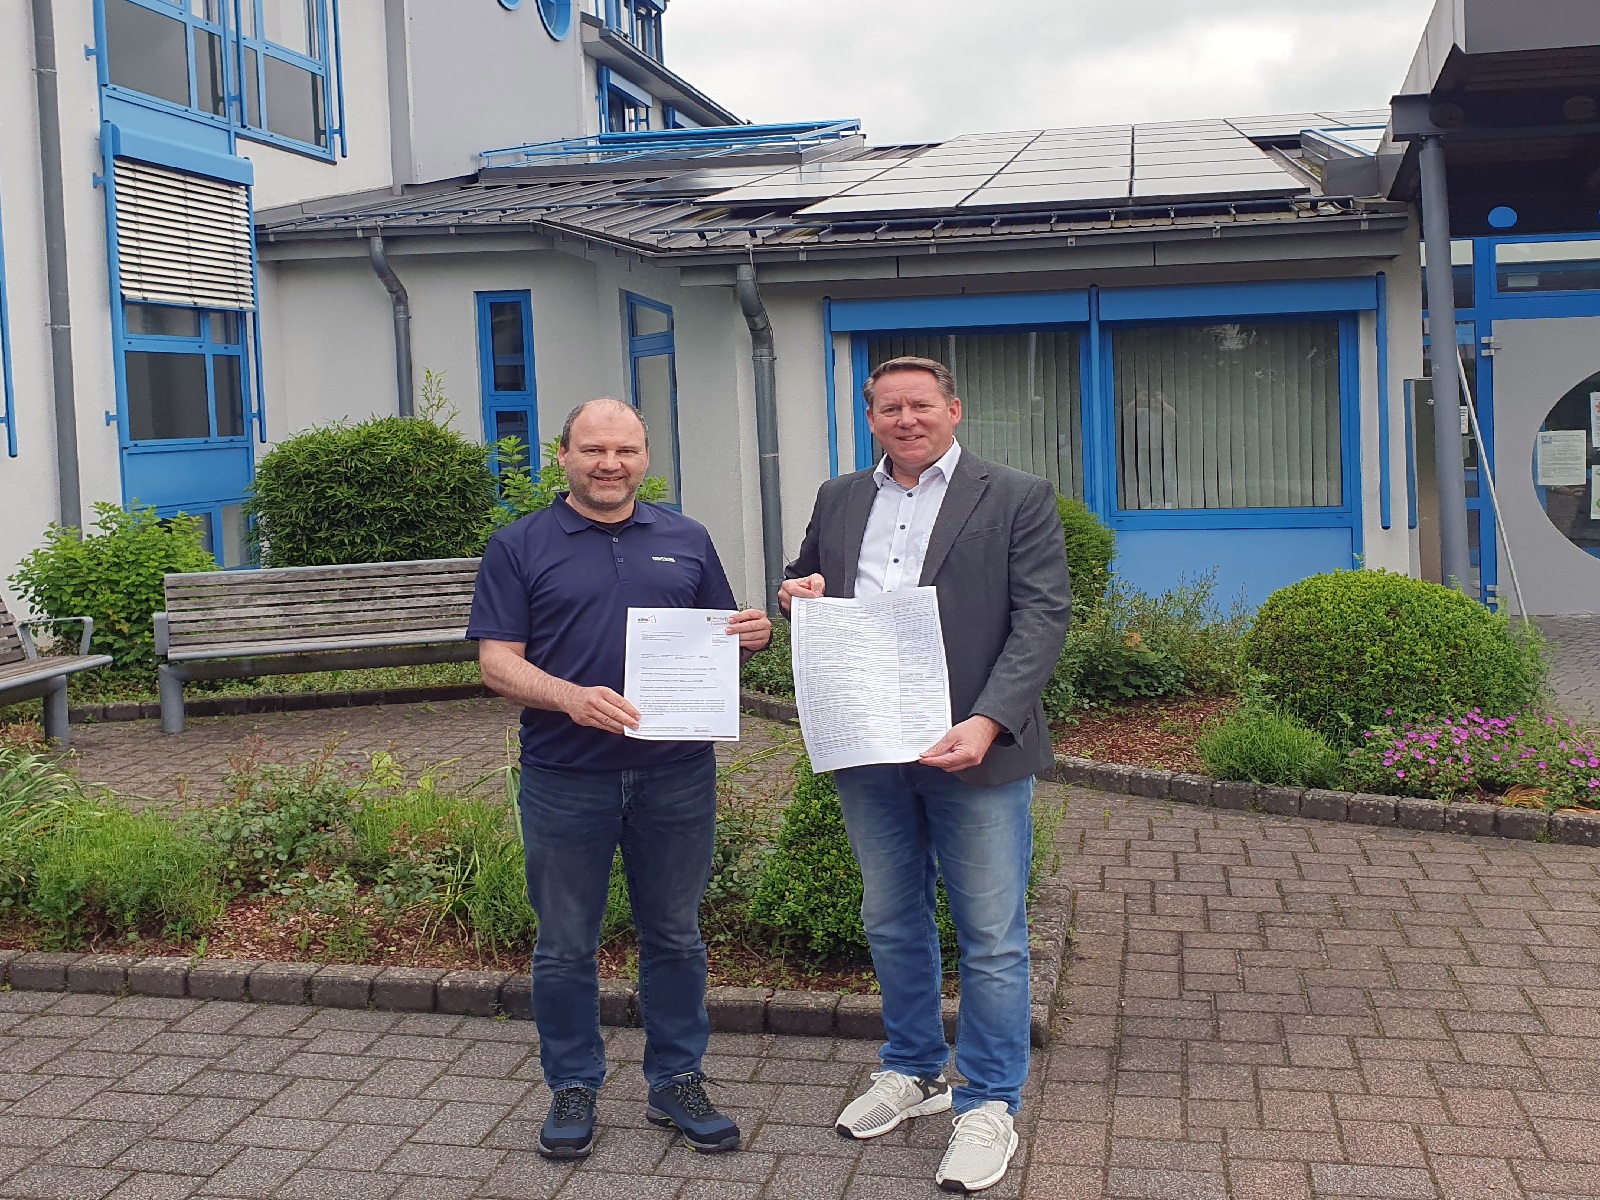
(609, 48)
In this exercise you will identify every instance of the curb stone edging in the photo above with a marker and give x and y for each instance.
(273, 702)
(1571, 827)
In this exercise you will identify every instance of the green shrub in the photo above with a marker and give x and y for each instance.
(36, 798)
(282, 820)
(1351, 650)
(114, 576)
(524, 491)
(383, 490)
(119, 872)
(771, 672)
(1260, 745)
(1091, 545)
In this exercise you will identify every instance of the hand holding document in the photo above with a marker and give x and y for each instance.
(870, 678)
(682, 673)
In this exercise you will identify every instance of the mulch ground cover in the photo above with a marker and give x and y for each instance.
(1159, 734)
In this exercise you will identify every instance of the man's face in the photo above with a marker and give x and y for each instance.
(605, 460)
(912, 420)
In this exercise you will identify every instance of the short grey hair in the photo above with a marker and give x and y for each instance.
(566, 428)
(942, 375)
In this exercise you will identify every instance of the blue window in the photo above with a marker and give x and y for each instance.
(653, 383)
(186, 377)
(264, 68)
(505, 367)
(8, 412)
(624, 106)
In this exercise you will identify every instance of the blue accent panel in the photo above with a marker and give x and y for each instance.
(1259, 561)
(1034, 309)
(127, 143)
(1099, 434)
(1239, 300)
(8, 399)
(1385, 487)
(858, 375)
(1411, 458)
(171, 478)
(523, 401)
(338, 81)
(829, 368)
(139, 120)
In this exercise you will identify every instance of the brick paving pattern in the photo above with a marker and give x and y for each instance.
(1261, 1007)
(1575, 647)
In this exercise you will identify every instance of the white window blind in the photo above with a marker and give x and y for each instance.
(1228, 416)
(182, 239)
(1019, 397)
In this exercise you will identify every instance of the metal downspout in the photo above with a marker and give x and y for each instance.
(68, 482)
(764, 360)
(402, 324)
(1454, 561)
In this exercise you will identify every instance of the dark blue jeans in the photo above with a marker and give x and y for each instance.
(909, 826)
(664, 818)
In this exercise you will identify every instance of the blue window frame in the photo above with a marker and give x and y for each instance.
(505, 369)
(263, 69)
(653, 383)
(186, 375)
(8, 411)
(624, 106)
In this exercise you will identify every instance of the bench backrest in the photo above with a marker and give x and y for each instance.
(222, 608)
(11, 650)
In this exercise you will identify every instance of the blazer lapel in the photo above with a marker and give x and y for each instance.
(961, 496)
(857, 508)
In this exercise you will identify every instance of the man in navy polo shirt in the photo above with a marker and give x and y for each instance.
(549, 614)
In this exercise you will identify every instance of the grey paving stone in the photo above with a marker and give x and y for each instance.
(157, 1187)
(1522, 824)
(254, 1174)
(159, 977)
(1190, 789)
(62, 1183)
(39, 972)
(860, 1017)
(808, 1014)
(1109, 777)
(516, 997)
(1154, 784)
(1280, 801)
(102, 974)
(406, 989)
(343, 986)
(1232, 795)
(618, 1002)
(1420, 814)
(461, 1124)
(311, 1183)
(469, 993)
(737, 1009)
(1570, 828)
(96, 1144)
(220, 979)
(1461, 817)
(282, 983)
(451, 1162)
(1366, 809)
(1321, 805)
(176, 1157)
(1071, 770)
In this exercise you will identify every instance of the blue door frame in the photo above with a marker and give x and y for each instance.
(506, 370)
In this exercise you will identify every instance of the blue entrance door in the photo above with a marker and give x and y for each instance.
(185, 419)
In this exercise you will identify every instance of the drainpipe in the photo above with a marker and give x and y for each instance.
(402, 323)
(1453, 557)
(68, 486)
(764, 360)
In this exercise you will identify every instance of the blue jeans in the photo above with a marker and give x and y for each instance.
(909, 825)
(572, 822)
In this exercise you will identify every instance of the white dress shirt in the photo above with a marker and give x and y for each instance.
(901, 522)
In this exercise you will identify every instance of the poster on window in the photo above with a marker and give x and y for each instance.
(1563, 458)
(1594, 494)
(1594, 417)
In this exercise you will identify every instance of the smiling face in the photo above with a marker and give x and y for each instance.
(913, 421)
(605, 460)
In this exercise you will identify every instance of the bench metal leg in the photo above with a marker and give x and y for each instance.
(171, 700)
(55, 713)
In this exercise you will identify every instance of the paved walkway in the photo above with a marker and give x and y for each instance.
(1575, 653)
(1263, 1009)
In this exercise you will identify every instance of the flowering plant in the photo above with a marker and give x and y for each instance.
(1548, 760)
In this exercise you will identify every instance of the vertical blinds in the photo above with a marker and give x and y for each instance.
(183, 239)
(1019, 395)
(1228, 416)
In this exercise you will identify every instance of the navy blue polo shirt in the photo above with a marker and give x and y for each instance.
(562, 586)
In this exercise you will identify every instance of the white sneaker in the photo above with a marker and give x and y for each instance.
(980, 1149)
(891, 1099)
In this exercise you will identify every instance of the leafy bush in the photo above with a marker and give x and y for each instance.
(1345, 652)
(114, 871)
(771, 672)
(1549, 760)
(1091, 545)
(36, 797)
(114, 576)
(387, 489)
(1260, 745)
(281, 820)
(524, 490)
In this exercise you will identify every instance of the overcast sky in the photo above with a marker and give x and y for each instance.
(924, 70)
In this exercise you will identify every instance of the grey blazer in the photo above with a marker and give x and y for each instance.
(997, 556)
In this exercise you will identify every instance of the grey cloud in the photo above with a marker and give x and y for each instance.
(928, 69)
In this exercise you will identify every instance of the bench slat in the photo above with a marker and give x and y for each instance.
(353, 632)
(305, 645)
(296, 576)
(15, 675)
(459, 591)
(268, 587)
(11, 650)
(331, 610)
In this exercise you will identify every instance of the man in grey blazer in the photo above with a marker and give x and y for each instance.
(989, 538)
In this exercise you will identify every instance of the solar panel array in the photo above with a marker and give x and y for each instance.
(1050, 168)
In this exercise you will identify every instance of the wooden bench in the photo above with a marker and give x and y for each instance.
(291, 620)
(25, 674)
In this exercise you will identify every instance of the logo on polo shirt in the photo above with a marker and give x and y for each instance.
(662, 558)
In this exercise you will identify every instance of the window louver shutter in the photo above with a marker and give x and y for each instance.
(183, 239)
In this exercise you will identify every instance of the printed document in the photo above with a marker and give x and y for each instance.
(870, 678)
(681, 672)
(1561, 458)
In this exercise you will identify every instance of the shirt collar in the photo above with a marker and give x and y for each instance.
(945, 466)
(572, 521)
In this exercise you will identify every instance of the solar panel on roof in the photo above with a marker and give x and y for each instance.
(905, 202)
(1170, 187)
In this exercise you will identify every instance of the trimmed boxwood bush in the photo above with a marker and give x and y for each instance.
(1091, 545)
(388, 489)
(1351, 650)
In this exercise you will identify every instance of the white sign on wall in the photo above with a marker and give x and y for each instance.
(1594, 494)
(1594, 417)
(1563, 458)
